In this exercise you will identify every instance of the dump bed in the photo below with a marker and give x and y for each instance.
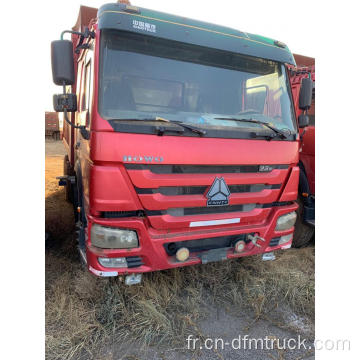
(51, 122)
(302, 61)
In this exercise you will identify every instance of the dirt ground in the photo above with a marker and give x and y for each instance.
(54, 148)
(91, 318)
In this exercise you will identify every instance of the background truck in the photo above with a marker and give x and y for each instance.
(52, 128)
(305, 223)
(182, 140)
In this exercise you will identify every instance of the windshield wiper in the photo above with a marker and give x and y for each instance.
(162, 129)
(274, 129)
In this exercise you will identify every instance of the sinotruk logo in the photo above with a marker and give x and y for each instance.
(219, 193)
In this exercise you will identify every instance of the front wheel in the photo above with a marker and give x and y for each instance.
(303, 232)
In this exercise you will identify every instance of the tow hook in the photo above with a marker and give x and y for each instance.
(255, 238)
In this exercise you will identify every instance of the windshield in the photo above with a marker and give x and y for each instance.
(144, 77)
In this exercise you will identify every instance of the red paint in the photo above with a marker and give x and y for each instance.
(52, 127)
(153, 253)
(291, 188)
(307, 148)
(109, 186)
(307, 156)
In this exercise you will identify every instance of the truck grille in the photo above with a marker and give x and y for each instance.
(194, 190)
(200, 169)
(170, 193)
(214, 210)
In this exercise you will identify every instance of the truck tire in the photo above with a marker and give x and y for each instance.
(303, 232)
(68, 188)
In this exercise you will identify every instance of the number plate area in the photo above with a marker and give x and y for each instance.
(213, 255)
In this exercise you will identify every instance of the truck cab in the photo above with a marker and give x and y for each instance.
(305, 225)
(183, 142)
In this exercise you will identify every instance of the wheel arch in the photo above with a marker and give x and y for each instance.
(304, 186)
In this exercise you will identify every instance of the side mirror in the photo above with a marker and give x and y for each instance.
(305, 94)
(303, 121)
(66, 102)
(62, 62)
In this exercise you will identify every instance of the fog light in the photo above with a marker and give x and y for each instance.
(240, 246)
(113, 262)
(285, 238)
(286, 221)
(182, 254)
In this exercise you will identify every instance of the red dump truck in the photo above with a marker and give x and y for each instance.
(305, 223)
(52, 128)
(182, 140)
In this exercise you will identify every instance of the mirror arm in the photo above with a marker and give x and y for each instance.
(302, 136)
(83, 35)
(70, 123)
(81, 46)
(83, 131)
(70, 32)
(87, 33)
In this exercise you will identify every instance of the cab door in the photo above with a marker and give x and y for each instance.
(82, 142)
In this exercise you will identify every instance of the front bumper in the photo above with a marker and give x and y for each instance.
(152, 252)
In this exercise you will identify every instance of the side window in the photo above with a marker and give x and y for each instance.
(84, 98)
(87, 86)
(85, 95)
(78, 85)
(83, 90)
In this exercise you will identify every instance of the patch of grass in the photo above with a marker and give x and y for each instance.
(84, 312)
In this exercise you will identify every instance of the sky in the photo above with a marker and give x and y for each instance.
(274, 19)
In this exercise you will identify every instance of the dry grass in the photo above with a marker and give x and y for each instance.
(84, 312)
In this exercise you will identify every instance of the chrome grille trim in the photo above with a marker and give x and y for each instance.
(198, 190)
(200, 169)
(177, 212)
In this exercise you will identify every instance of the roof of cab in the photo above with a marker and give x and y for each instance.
(154, 23)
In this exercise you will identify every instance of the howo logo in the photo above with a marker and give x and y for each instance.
(143, 158)
(219, 193)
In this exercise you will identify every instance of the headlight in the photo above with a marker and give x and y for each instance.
(286, 221)
(112, 238)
